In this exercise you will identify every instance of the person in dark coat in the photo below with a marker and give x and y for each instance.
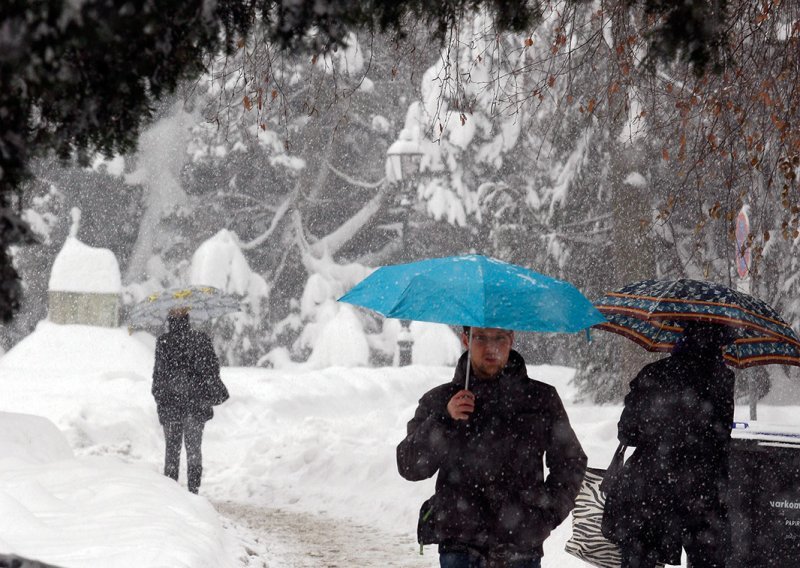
(493, 506)
(186, 384)
(671, 492)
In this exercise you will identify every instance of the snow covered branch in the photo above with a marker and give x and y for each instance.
(279, 214)
(353, 181)
(347, 230)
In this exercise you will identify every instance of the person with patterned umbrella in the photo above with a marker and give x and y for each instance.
(653, 313)
(201, 303)
(186, 385)
(678, 414)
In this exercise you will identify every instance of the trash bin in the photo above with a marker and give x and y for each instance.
(764, 497)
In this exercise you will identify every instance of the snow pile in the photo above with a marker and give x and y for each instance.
(347, 59)
(339, 334)
(434, 344)
(431, 343)
(81, 268)
(341, 340)
(321, 331)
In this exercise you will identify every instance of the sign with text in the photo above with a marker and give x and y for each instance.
(764, 503)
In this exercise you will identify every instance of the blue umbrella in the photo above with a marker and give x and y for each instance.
(477, 291)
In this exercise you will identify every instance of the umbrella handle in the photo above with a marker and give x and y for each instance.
(469, 358)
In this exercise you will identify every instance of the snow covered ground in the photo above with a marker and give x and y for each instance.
(300, 465)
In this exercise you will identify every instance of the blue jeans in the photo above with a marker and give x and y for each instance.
(467, 560)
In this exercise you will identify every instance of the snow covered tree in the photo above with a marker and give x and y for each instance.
(567, 144)
(247, 154)
(619, 147)
(292, 156)
(521, 150)
(84, 78)
(219, 262)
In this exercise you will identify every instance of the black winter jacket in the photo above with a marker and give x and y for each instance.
(184, 350)
(678, 415)
(491, 492)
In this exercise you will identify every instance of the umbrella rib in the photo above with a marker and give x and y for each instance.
(670, 287)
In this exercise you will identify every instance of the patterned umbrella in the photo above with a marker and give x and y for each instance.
(653, 312)
(203, 303)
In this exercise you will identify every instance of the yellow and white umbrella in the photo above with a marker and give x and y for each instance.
(202, 303)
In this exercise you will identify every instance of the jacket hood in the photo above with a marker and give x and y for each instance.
(704, 340)
(514, 368)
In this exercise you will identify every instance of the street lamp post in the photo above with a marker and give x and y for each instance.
(405, 344)
(403, 159)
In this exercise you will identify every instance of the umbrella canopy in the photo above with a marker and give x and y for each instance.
(203, 303)
(477, 291)
(653, 312)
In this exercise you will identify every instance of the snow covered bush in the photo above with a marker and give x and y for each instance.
(329, 333)
(219, 262)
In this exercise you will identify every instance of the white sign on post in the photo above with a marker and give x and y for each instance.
(743, 259)
(743, 254)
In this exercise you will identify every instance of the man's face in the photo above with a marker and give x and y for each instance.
(490, 350)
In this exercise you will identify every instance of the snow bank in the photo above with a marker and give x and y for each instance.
(97, 511)
(56, 348)
(32, 439)
(316, 441)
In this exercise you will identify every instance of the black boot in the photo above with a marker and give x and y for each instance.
(194, 474)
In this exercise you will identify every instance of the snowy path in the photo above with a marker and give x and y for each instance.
(284, 539)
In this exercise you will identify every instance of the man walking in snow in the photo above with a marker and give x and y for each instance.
(186, 384)
(493, 507)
